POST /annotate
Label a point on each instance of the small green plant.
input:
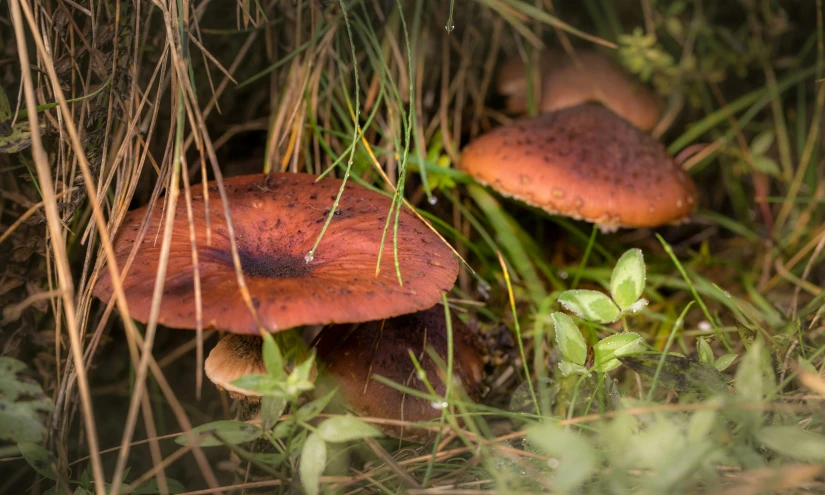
(22, 401)
(627, 283)
(279, 390)
(706, 356)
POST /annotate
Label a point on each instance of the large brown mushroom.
(354, 354)
(587, 76)
(277, 219)
(584, 162)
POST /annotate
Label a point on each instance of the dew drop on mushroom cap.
(590, 77)
(277, 219)
(583, 162)
(352, 354)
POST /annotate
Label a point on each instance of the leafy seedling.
(22, 401)
(277, 383)
(706, 356)
(627, 284)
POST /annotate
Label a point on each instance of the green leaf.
(86, 476)
(22, 402)
(762, 142)
(628, 279)
(679, 373)
(312, 409)
(151, 486)
(725, 361)
(271, 410)
(38, 458)
(230, 432)
(766, 165)
(298, 381)
(590, 305)
(16, 138)
(273, 359)
(284, 428)
(313, 462)
(569, 339)
(793, 442)
(700, 425)
(634, 308)
(567, 368)
(265, 385)
(751, 383)
(609, 349)
(705, 352)
(346, 429)
(579, 460)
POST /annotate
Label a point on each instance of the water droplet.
(449, 26)
(439, 405)
(433, 200)
(563, 275)
(705, 326)
(309, 257)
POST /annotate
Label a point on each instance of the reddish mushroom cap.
(584, 162)
(353, 354)
(277, 220)
(590, 77)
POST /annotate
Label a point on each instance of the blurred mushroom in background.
(587, 76)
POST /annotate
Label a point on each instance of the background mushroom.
(584, 162)
(277, 219)
(353, 354)
(587, 76)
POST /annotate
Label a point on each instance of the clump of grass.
(718, 388)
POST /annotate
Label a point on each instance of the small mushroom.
(352, 355)
(233, 357)
(583, 162)
(589, 77)
(277, 219)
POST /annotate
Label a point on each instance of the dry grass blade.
(56, 235)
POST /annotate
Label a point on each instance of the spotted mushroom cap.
(233, 357)
(584, 162)
(277, 219)
(590, 77)
(353, 354)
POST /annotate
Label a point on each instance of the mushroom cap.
(590, 77)
(233, 357)
(584, 162)
(277, 219)
(353, 354)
